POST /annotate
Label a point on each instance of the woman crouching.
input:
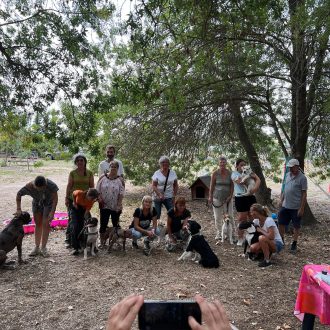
(145, 224)
(270, 240)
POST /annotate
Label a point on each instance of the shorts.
(286, 215)
(279, 246)
(243, 203)
(43, 209)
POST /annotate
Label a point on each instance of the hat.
(293, 162)
(79, 155)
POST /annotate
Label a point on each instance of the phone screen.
(169, 314)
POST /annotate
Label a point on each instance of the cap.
(79, 155)
(293, 162)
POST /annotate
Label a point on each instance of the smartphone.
(168, 314)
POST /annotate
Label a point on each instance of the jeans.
(167, 202)
(77, 224)
(137, 235)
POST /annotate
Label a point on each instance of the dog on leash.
(198, 244)
(11, 237)
(227, 229)
(114, 234)
(251, 237)
(247, 180)
(88, 237)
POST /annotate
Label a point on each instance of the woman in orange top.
(82, 203)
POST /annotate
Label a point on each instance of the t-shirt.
(104, 167)
(269, 222)
(110, 190)
(177, 220)
(80, 182)
(294, 186)
(79, 198)
(239, 189)
(40, 198)
(160, 178)
(145, 220)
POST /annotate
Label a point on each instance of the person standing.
(243, 202)
(104, 166)
(293, 201)
(111, 189)
(221, 194)
(164, 186)
(80, 178)
(44, 201)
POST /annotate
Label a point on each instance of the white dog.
(227, 229)
(247, 180)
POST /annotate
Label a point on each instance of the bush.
(3, 163)
(38, 163)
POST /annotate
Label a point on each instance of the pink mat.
(60, 220)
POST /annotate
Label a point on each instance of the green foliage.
(38, 163)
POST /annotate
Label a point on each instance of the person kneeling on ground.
(270, 240)
(177, 219)
(145, 224)
(83, 201)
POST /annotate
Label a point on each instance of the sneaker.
(75, 252)
(135, 245)
(44, 252)
(264, 263)
(35, 252)
(240, 242)
(293, 248)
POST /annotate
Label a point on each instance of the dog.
(88, 237)
(251, 237)
(11, 237)
(227, 229)
(114, 234)
(197, 243)
(247, 180)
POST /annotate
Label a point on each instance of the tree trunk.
(264, 194)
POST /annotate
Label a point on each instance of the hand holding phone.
(168, 314)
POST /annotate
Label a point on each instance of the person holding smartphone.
(123, 314)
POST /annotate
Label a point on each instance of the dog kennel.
(200, 188)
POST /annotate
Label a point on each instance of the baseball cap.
(293, 162)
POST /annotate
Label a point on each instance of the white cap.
(293, 162)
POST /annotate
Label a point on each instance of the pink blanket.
(313, 294)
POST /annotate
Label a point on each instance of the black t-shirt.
(177, 221)
(144, 220)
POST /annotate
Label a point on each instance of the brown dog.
(116, 233)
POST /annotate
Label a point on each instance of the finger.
(120, 309)
(222, 316)
(207, 316)
(194, 325)
(138, 302)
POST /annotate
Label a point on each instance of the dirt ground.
(66, 292)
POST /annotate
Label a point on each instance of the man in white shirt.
(105, 164)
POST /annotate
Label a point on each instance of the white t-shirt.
(160, 178)
(239, 189)
(105, 167)
(268, 224)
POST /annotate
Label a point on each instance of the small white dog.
(90, 237)
(227, 229)
(248, 181)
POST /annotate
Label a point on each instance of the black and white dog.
(198, 244)
(251, 237)
(88, 237)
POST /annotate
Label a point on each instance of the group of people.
(226, 187)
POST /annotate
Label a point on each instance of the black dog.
(12, 236)
(199, 244)
(251, 237)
